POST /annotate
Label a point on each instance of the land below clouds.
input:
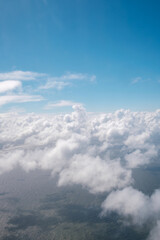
(32, 206)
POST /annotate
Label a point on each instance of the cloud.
(130, 202)
(95, 174)
(20, 75)
(55, 84)
(97, 151)
(19, 99)
(6, 86)
(62, 103)
(12, 81)
(66, 80)
(136, 80)
(155, 232)
(75, 76)
(71, 142)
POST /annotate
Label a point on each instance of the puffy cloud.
(55, 84)
(130, 202)
(96, 151)
(95, 174)
(124, 139)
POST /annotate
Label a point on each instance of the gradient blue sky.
(105, 53)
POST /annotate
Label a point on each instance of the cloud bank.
(96, 151)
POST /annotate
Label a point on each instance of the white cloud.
(66, 80)
(55, 85)
(95, 174)
(77, 140)
(19, 99)
(62, 103)
(96, 151)
(6, 86)
(130, 202)
(11, 81)
(20, 75)
(75, 76)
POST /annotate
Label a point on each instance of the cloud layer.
(96, 151)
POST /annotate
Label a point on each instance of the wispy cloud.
(20, 75)
(55, 84)
(66, 80)
(136, 80)
(75, 76)
(14, 81)
(6, 86)
(19, 99)
(62, 103)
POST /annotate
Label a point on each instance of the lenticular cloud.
(96, 151)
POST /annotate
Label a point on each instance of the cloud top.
(96, 151)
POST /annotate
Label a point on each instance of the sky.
(112, 45)
(80, 58)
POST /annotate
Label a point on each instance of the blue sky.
(103, 53)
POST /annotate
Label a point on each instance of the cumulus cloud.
(136, 207)
(123, 139)
(130, 202)
(96, 151)
(6, 86)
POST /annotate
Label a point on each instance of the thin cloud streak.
(55, 85)
(62, 103)
(21, 75)
(136, 80)
(19, 99)
(67, 80)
